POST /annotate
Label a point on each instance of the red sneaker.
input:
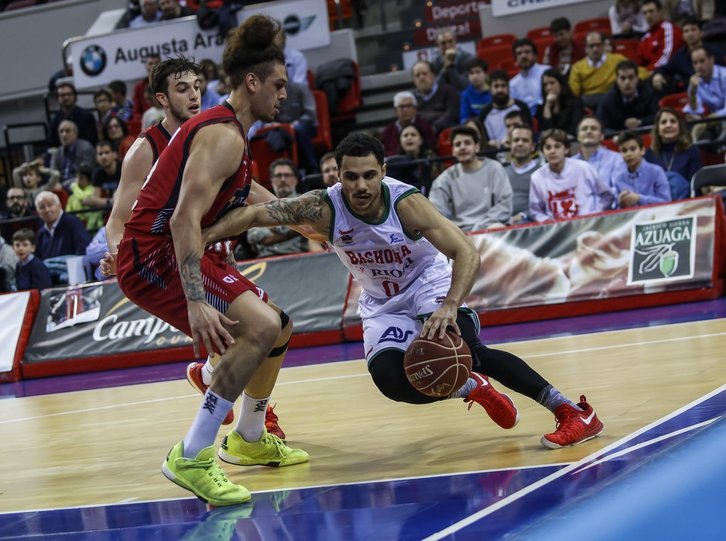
(271, 423)
(573, 425)
(497, 405)
(194, 377)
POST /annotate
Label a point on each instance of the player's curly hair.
(359, 145)
(176, 66)
(252, 47)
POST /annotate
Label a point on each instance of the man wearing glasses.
(594, 75)
(406, 108)
(67, 97)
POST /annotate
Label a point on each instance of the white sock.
(207, 370)
(469, 386)
(251, 420)
(206, 424)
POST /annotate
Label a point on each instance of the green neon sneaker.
(269, 450)
(203, 476)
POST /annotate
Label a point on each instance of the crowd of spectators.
(490, 148)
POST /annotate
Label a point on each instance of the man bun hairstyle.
(252, 47)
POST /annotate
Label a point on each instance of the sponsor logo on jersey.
(396, 238)
(395, 334)
(344, 237)
(380, 257)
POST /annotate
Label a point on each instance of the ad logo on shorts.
(394, 334)
(662, 251)
(230, 279)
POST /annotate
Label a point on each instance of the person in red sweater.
(141, 104)
(663, 38)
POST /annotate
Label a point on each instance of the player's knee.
(266, 328)
(388, 374)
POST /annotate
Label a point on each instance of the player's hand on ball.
(437, 323)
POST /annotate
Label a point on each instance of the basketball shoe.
(573, 425)
(498, 406)
(194, 377)
(271, 424)
(269, 450)
(203, 476)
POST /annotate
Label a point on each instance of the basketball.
(438, 367)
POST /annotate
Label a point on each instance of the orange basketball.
(438, 367)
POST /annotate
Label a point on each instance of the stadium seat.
(264, 155)
(339, 17)
(629, 48)
(444, 142)
(676, 101)
(599, 24)
(542, 44)
(324, 139)
(498, 39)
(539, 33)
(495, 54)
(351, 101)
(708, 175)
(311, 79)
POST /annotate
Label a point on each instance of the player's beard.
(180, 114)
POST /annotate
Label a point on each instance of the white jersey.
(381, 255)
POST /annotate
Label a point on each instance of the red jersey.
(160, 193)
(158, 138)
(659, 44)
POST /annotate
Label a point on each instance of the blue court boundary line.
(471, 519)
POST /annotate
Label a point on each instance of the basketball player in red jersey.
(176, 85)
(162, 266)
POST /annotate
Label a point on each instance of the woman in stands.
(117, 131)
(561, 109)
(672, 149)
(412, 146)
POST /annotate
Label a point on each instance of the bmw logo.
(93, 60)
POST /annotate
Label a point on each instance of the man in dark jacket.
(67, 97)
(630, 102)
(61, 233)
(438, 102)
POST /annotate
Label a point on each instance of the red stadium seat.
(539, 33)
(444, 142)
(311, 79)
(629, 48)
(676, 101)
(599, 24)
(264, 155)
(324, 139)
(495, 54)
(542, 44)
(498, 39)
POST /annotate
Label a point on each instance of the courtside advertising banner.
(642, 251)
(515, 7)
(12, 308)
(96, 319)
(97, 60)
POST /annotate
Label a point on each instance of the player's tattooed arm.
(191, 276)
(308, 209)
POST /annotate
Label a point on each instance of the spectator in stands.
(626, 18)
(565, 51)
(123, 107)
(141, 102)
(451, 64)
(81, 198)
(329, 169)
(706, 95)
(116, 131)
(606, 162)
(630, 102)
(72, 152)
(299, 110)
(477, 94)
(150, 14)
(437, 101)
(479, 127)
(106, 175)
(33, 177)
(643, 183)
(170, 9)
(18, 213)
(210, 69)
(84, 120)
(473, 193)
(30, 272)
(591, 77)
(663, 37)
(565, 188)
(154, 114)
(284, 176)
(492, 115)
(295, 61)
(672, 149)
(412, 146)
(8, 262)
(527, 84)
(561, 108)
(406, 108)
(524, 162)
(103, 101)
(674, 76)
(512, 119)
(209, 97)
(61, 233)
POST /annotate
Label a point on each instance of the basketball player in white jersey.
(395, 243)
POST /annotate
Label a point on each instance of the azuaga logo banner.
(662, 251)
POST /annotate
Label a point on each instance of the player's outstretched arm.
(214, 156)
(418, 215)
(309, 209)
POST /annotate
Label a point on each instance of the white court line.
(335, 378)
(471, 519)
(650, 442)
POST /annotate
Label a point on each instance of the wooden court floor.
(106, 446)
